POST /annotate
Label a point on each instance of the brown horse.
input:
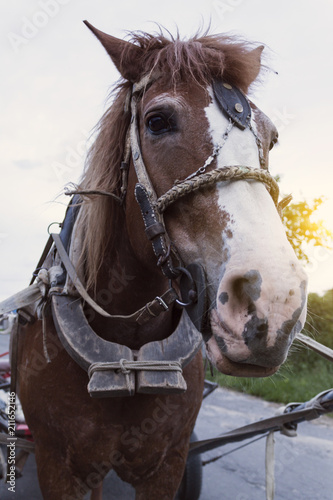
(182, 110)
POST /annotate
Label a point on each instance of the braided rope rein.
(208, 179)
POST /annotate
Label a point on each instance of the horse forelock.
(200, 59)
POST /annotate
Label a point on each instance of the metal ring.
(164, 257)
(182, 270)
(183, 304)
(48, 227)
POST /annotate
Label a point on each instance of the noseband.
(237, 107)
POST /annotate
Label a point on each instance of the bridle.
(236, 105)
(192, 277)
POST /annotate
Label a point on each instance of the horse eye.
(158, 124)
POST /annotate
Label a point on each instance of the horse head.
(194, 123)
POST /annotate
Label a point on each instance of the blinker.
(233, 103)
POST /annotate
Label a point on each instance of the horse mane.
(202, 59)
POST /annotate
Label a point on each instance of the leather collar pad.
(233, 102)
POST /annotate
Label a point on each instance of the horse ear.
(125, 55)
(255, 54)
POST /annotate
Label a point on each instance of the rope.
(124, 366)
(210, 178)
(92, 192)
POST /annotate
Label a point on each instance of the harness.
(111, 367)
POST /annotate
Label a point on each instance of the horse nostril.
(249, 286)
(262, 329)
(251, 308)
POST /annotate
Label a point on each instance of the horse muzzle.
(253, 329)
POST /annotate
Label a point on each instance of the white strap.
(269, 464)
(320, 349)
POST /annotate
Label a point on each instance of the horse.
(175, 203)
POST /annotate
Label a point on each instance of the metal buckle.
(162, 303)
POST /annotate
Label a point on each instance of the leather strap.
(21, 443)
(320, 349)
(46, 250)
(21, 299)
(140, 169)
(251, 430)
(155, 231)
(144, 191)
(156, 306)
(143, 315)
(74, 277)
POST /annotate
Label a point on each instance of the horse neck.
(124, 285)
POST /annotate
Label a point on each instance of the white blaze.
(240, 148)
(256, 239)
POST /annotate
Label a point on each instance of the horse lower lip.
(235, 368)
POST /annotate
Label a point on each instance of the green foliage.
(319, 323)
(288, 385)
(302, 229)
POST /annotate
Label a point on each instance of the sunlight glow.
(325, 214)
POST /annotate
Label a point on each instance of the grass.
(295, 382)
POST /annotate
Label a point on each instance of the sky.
(55, 78)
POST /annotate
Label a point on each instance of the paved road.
(304, 465)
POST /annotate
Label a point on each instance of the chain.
(215, 153)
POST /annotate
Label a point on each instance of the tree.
(302, 229)
(319, 323)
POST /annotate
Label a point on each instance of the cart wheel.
(190, 487)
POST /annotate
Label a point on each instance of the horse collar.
(111, 367)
